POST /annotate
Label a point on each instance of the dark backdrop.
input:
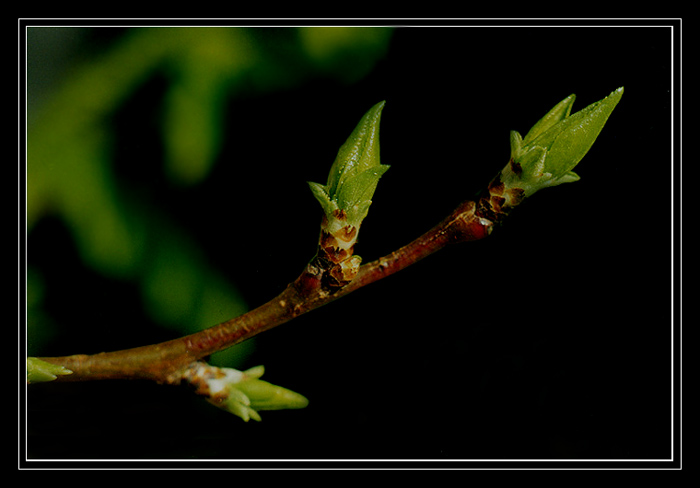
(551, 339)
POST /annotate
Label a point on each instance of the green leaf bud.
(355, 172)
(556, 144)
(39, 371)
(574, 135)
(266, 396)
(243, 393)
(346, 198)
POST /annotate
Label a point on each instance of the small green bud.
(266, 396)
(355, 172)
(39, 371)
(346, 198)
(556, 144)
(243, 393)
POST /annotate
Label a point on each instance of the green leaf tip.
(554, 116)
(355, 173)
(39, 371)
(556, 144)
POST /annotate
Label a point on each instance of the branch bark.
(167, 362)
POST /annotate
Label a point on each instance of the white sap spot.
(231, 376)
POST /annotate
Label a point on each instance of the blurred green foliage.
(71, 144)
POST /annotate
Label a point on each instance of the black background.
(551, 339)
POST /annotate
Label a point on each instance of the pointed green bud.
(346, 198)
(266, 396)
(355, 172)
(547, 155)
(573, 136)
(39, 371)
(243, 393)
(556, 144)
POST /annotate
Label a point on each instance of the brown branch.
(166, 362)
(334, 272)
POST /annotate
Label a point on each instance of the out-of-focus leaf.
(70, 147)
(348, 53)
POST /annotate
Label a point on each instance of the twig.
(166, 362)
(545, 157)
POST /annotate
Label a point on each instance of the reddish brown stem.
(166, 362)
(462, 225)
